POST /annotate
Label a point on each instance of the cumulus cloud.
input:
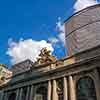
(61, 30)
(53, 40)
(60, 38)
(81, 4)
(30, 49)
(26, 49)
(59, 25)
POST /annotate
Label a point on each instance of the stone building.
(83, 30)
(76, 77)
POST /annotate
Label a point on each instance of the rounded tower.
(82, 30)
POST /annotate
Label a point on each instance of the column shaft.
(65, 89)
(72, 89)
(49, 90)
(17, 94)
(97, 83)
(20, 94)
(31, 93)
(27, 94)
(54, 95)
(5, 96)
(1, 95)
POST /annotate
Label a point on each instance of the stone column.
(5, 96)
(27, 94)
(65, 89)
(1, 95)
(49, 90)
(72, 89)
(54, 95)
(17, 94)
(97, 83)
(20, 94)
(31, 93)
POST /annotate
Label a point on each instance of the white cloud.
(53, 40)
(60, 26)
(30, 49)
(61, 37)
(81, 4)
(61, 31)
(26, 49)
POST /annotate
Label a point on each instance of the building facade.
(66, 79)
(78, 80)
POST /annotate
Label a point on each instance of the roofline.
(22, 62)
(87, 8)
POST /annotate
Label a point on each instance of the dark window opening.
(86, 89)
(12, 96)
(41, 93)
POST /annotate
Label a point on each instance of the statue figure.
(5, 74)
(45, 57)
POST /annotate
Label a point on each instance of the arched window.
(41, 93)
(86, 89)
(12, 96)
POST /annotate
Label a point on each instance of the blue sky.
(35, 19)
(31, 19)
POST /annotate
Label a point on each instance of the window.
(86, 89)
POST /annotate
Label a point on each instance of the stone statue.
(45, 57)
(5, 74)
